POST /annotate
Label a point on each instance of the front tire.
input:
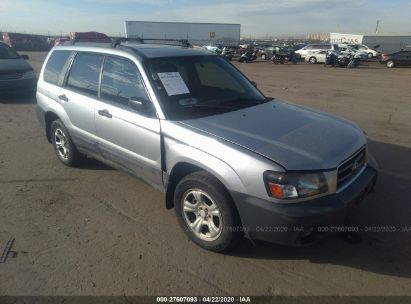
(206, 212)
(390, 64)
(263, 57)
(64, 147)
(313, 60)
(370, 55)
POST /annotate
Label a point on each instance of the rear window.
(85, 73)
(55, 66)
(323, 46)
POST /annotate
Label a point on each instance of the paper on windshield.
(173, 83)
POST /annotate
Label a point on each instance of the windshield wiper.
(211, 106)
(240, 101)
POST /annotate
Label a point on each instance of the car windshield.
(7, 52)
(198, 86)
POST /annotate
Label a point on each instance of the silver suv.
(231, 161)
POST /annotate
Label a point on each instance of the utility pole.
(376, 28)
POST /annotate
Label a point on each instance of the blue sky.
(257, 17)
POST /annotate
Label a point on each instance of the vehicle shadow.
(17, 98)
(385, 252)
(94, 164)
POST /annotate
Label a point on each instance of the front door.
(127, 137)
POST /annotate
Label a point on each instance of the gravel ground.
(98, 231)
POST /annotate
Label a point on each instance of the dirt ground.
(98, 231)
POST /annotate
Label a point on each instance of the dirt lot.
(98, 231)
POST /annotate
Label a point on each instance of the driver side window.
(121, 81)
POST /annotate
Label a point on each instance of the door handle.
(63, 97)
(105, 113)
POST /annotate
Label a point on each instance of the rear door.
(79, 95)
(129, 138)
(400, 58)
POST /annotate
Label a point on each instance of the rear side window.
(121, 81)
(53, 72)
(85, 73)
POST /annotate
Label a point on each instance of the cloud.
(257, 17)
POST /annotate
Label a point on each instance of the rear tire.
(313, 60)
(390, 64)
(263, 57)
(370, 55)
(64, 147)
(206, 212)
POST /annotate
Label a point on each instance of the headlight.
(294, 185)
(29, 74)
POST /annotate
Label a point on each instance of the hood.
(18, 64)
(295, 137)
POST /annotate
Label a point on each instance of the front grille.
(349, 168)
(11, 76)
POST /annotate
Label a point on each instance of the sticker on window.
(173, 83)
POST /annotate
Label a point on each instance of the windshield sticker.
(173, 83)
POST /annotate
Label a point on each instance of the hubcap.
(61, 143)
(202, 215)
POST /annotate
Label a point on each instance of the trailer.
(386, 43)
(26, 42)
(196, 33)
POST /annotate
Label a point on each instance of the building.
(318, 36)
(385, 43)
(195, 33)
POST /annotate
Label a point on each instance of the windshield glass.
(198, 86)
(7, 52)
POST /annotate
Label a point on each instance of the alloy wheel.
(61, 143)
(202, 215)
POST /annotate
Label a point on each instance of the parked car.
(320, 56)
(348, 50)
(16, 75)
(231, 161)
(316, 56)
(371, 53)
(401, 58)
(268, 52)
(316, 47)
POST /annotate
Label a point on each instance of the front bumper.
(301, 223)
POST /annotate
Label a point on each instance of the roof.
(141, 50)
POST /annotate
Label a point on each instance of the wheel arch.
(49, 117)
(224, 174)
(181, 170)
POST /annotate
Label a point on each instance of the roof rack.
(88, 42)
(177, 42)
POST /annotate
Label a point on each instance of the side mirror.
(254, 83)
(138, 104)
(25, 57)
